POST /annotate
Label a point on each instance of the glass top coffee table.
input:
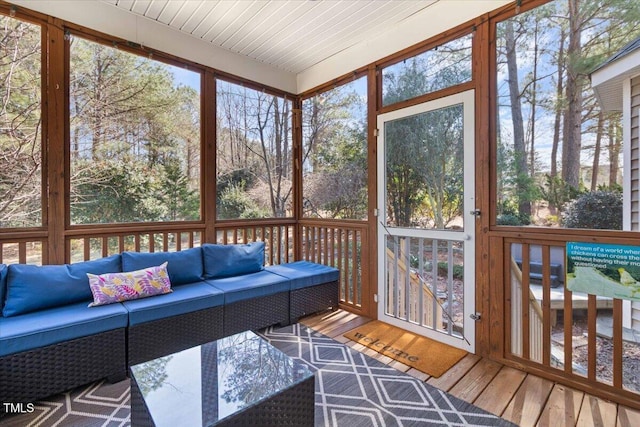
(240, 379)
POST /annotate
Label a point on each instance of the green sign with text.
(604, 269)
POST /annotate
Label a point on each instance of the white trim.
(607, 81)
(468, 235)
(626, 155)
(430, 22)
(626, 181)
(117, 22)
(616, 69)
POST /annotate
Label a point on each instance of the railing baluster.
(450, 287)
(86, 248)
(617, 343)
(22, 252)
(568, 333)
(434, 281)
(526, 276)
(546, 305)
(592, 314)
(136, 242)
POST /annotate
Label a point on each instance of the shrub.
(508, 219)
(596, 209)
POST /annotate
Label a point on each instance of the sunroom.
(466, 166)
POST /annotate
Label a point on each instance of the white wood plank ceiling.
(291, 35)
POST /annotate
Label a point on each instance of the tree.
(520, 161)
(254, 136)
(424, 153)
(552, 49)
(20, 124)
(335, 154)
(134, 138)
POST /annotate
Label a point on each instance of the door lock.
(475, 316)
(475, 212)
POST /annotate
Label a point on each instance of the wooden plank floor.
(521, 398)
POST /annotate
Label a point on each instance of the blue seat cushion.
(183, 266)
(184, 299)
(232, 260)
(55, 325)
(32, 287)
(254, 285)
(3, 284)
(304, 273)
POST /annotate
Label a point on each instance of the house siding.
(635, 178)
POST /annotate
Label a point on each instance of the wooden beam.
(208, 162)
(55, 157)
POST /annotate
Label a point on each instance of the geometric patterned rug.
(96, 404)
(352, 390)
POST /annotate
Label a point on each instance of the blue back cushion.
(183, 266)
(3, 284)
(232, 260)
(31, 287)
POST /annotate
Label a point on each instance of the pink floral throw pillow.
(116, 287)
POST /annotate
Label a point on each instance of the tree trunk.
(596, 153)
(572, 142)
(615, 145)
(558, 116)
(524, 206)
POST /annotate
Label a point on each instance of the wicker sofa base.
(256, 313)
(313, 299)
(34, 374)
(176, 333)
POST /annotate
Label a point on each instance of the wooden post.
(55, 160)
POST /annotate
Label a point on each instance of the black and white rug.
(352, 390)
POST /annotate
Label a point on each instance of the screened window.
(335, 152)
(559, 160)
(439, 68)
(134, 137)
(20, 124)
(254, 153)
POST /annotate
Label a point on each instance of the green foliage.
(509, 219)
(596, 209)
(424, 167)
(234, 203)
(134, 139)
(558, 192)
(335, 139)
(509, 215)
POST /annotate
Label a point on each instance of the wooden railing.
(344, 245)
(93, 245)
(23, 251)
(526, 317)
(554, 332)
(411, 298)
(279, 238)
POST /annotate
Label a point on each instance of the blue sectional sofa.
(51, 340)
